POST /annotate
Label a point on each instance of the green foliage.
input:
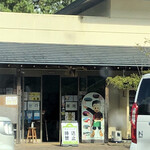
(120, 82)
(3, 8)
(16, 6)
(49, 6)
(24, 6)
(52, 6)
(27, 6)
(145, 71)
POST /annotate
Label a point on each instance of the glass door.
(31, 104)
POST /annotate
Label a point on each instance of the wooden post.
(60, 109)
(106, 113)
(19, 104)
(23, 113)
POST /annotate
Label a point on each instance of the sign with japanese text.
(70, 134)
(11, 100)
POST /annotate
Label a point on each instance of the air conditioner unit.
(116, 136)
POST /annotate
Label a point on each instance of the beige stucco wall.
(124, 112)
(59, 29)
(121, 9)
(118, 115)
(130, 8)
(113, 112)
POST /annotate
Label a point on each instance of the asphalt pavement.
(81, 146)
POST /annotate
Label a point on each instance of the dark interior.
(50, 108)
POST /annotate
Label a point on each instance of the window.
(8, 84)
(32, 103)
(96, 84)
(143, 99)
(69, 86)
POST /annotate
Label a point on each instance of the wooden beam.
(106, 113)
(19, 105)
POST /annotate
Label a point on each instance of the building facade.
(45, 58)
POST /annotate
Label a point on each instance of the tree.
(36, 6)
(16, 6)
(128, 82)
(24, 6)
(52, 6)
(145, 48)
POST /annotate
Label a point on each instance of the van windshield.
(143, 99)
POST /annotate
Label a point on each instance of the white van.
(140, 116)
(6, 134)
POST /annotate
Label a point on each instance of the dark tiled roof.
(78, 6)
(57, 54)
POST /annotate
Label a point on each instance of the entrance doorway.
(50, 107)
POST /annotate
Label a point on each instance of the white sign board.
(70, 134)
(11, 100)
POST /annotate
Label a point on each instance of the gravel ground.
(81, 146)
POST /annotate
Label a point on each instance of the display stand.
(69, 133)
(92, 116)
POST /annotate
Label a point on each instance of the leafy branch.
(120, 82)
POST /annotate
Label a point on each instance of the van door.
(143, 120)
(143, 132)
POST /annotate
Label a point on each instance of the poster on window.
(69, 116)
(71, 106)
(29, 116)
(11, 100)
(26, 96)
(33, 106)
(25, 105)
(35, 96)
(92, 117)
(70, 136)
(36, 115)
(68, 97)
